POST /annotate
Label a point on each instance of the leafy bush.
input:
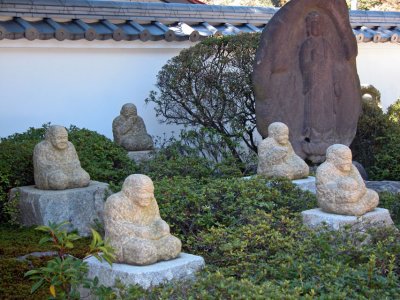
(190, 155)
(376, 143)
(209, 86)
(99, 156)
(393, 112)
(392, 203)
(190, 205)
(372, 127)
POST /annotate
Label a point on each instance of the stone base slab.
(183, 267)
(80, 206)
(139, 156)
(306, 184)
(379, 217)
(384, 186)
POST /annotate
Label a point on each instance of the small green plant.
(65, 274)
(11, 208)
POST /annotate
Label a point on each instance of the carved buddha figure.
(134, 226)
(276, 157)
(56, 163)
(320, 88)
(340, 187)
(129, 130)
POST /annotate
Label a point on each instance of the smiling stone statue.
(130, 131)
(276, 157)
(134, 226)
(56, 163)
(340, 188)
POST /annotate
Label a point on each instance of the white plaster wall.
(379, 65)
(80, 83)
(86, 83)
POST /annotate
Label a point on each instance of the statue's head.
(57, 136)
(129, 109)
(340, 156)
(139, 188)
(279, 132)
(313, 23)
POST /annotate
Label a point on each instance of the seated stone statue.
(129, 130)
(56, 163)
(134, 227)
(276, 157)
(340, 187)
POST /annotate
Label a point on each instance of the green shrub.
(371, 130)
(208, 86)
(191, 205)
(186, 157)
(392, 203)
(376, 143)
(99, 156)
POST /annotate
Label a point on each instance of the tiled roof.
(102, 20)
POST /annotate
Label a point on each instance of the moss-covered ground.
(16, 242)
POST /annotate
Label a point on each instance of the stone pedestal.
(81, 206)
(181, 268)
(139, 156)
(379, 217)
(306, 184)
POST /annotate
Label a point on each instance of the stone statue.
(340, 188)
(276, 157)
(56, 163)
(129, 130)
(134, 226)
(305, 76)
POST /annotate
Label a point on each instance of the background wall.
(86, 83)
(379, 64)
(78, 83)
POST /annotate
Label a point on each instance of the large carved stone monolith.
(305, 76)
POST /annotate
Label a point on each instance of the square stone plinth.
(80, 206)
(183, 267)
(306, 184)
(379, 217)
(141, 156)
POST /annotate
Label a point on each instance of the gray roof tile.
(160, 21)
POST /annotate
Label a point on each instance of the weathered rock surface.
(56, 163)
(276, 157)
(305, 76)
(340, 188)
(80, 206)
(306, 184)
(183, 267)
(141, 156)
(379, 217)
(384, 186)
(129, 130)
(134, 226)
